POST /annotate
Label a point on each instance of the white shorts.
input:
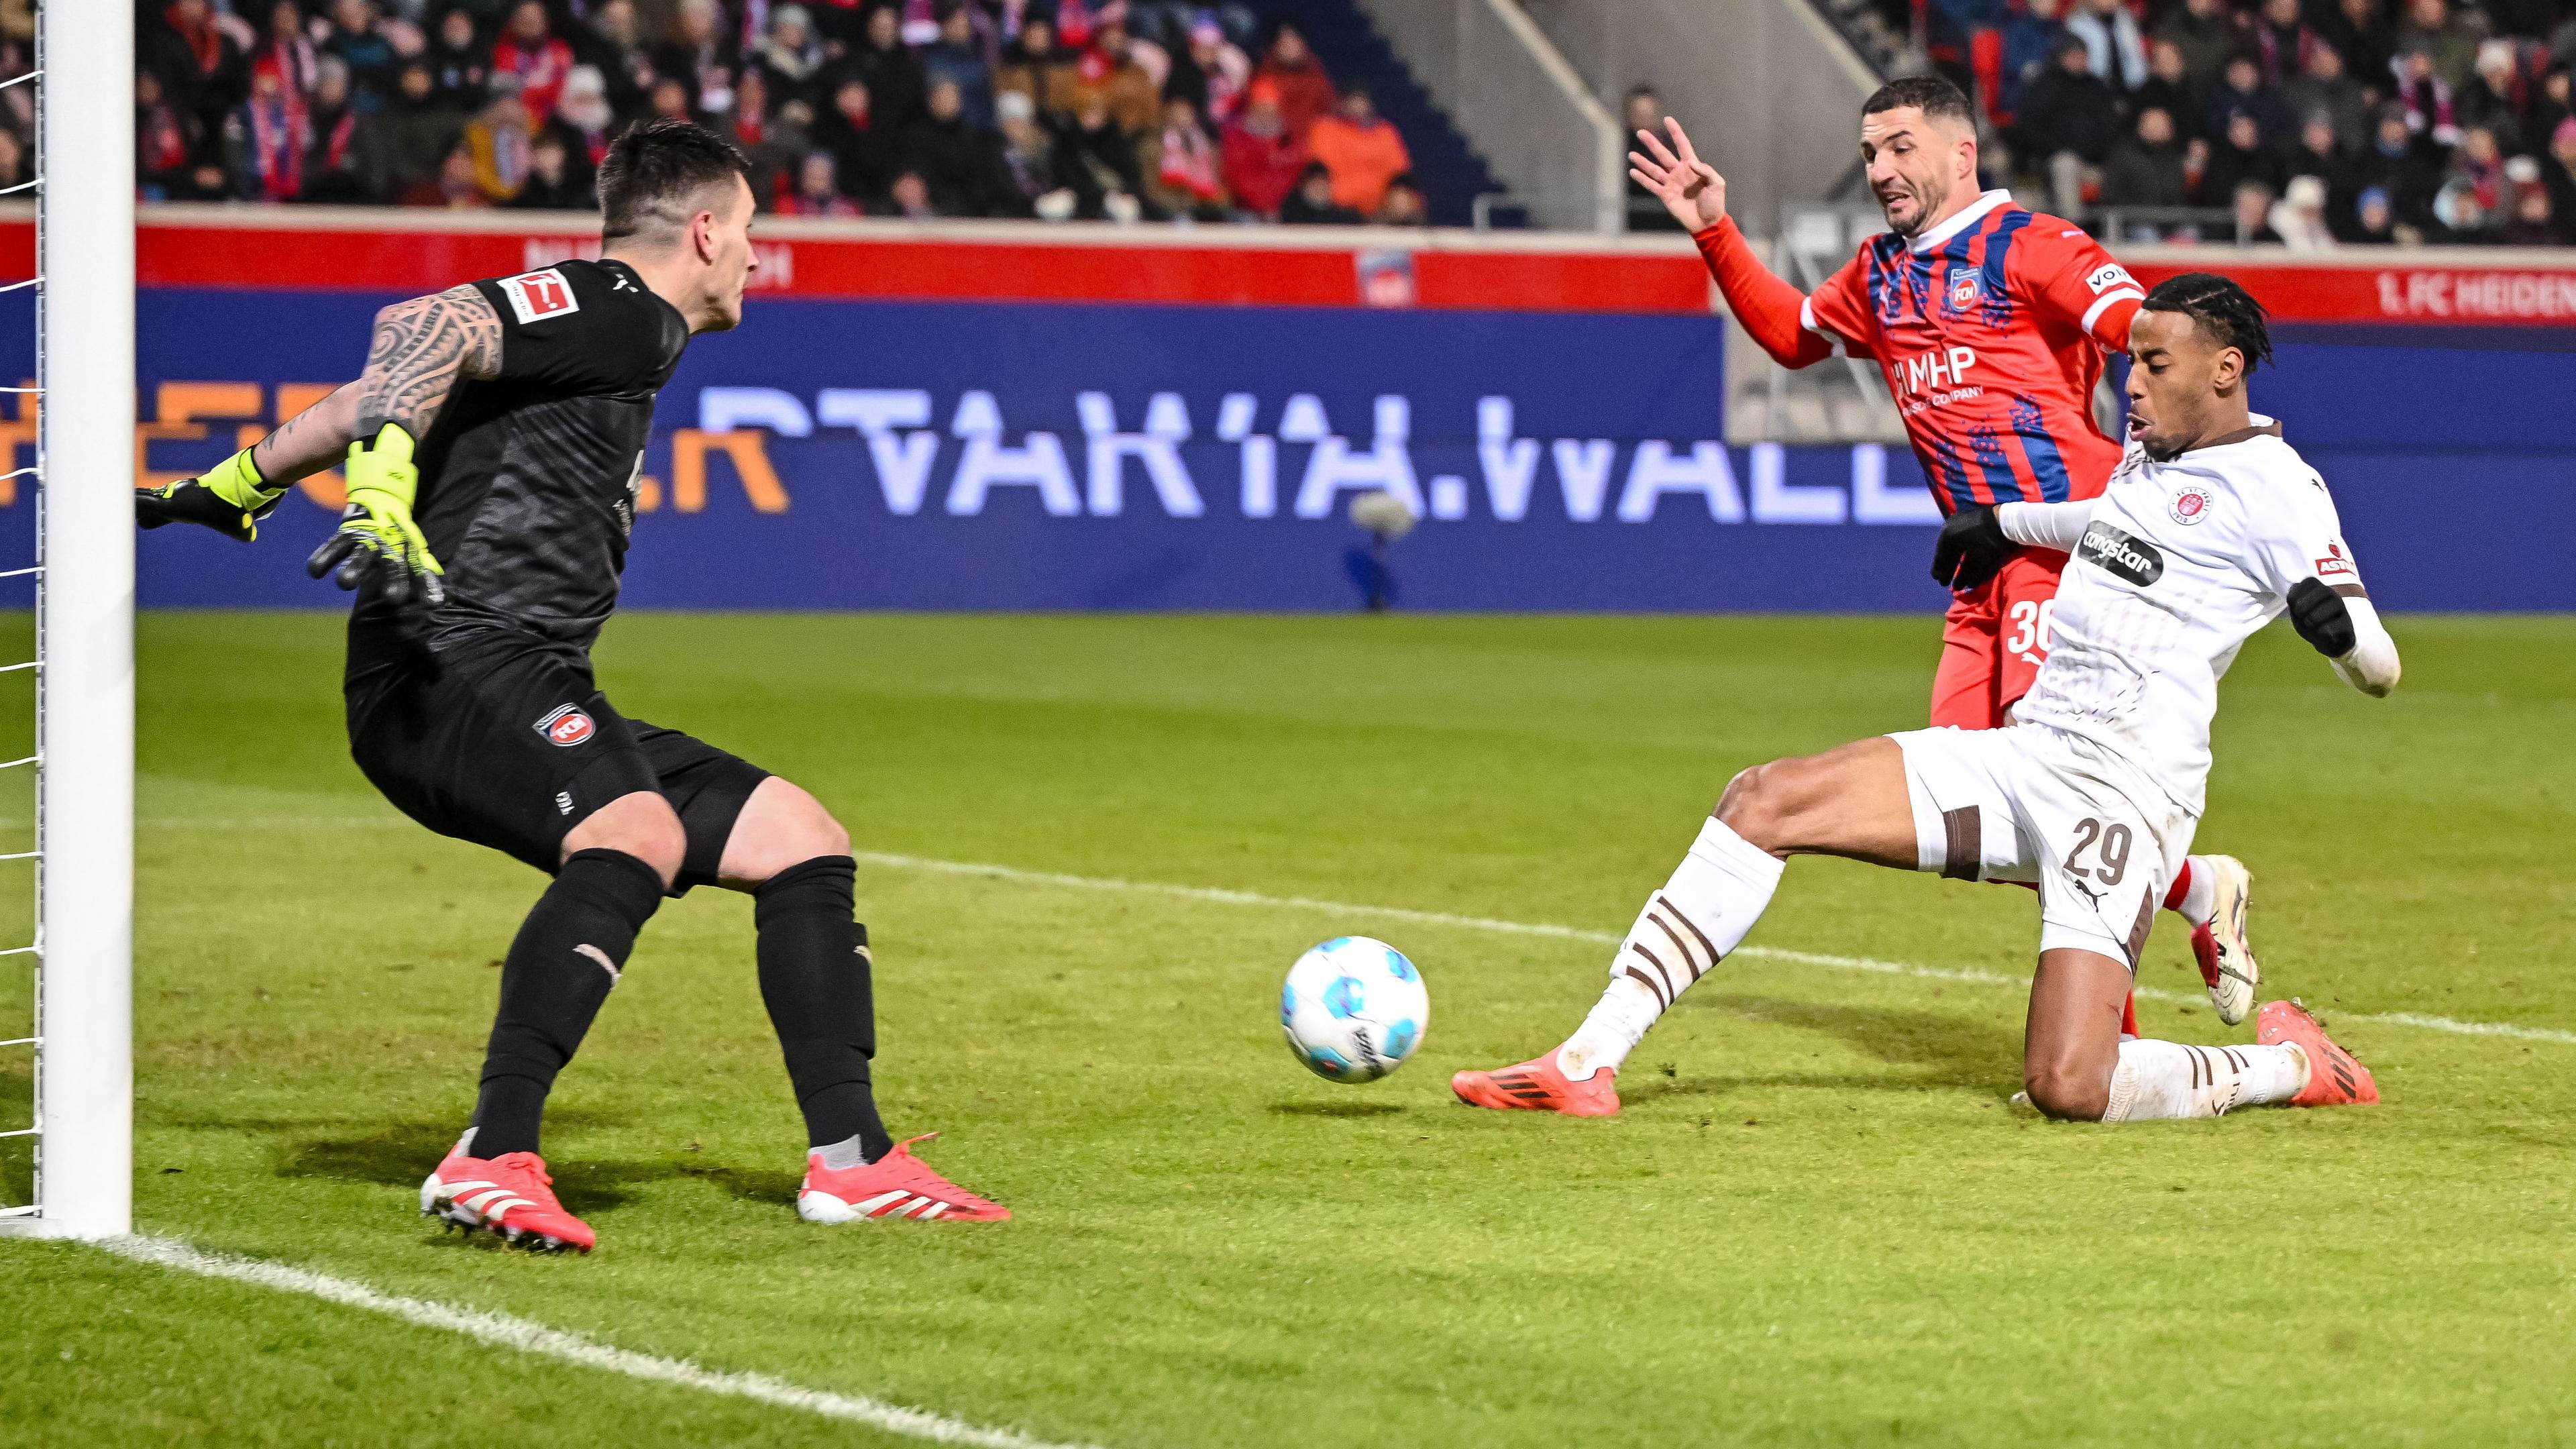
(2032, 804)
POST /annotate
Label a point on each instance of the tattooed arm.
(310, 441)
(420, 350)
(422, 347)
(235, 494)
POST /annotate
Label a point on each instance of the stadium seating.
(1452, 175)
(2448, 121)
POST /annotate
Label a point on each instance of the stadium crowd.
(2310, 123)
(1059, 109)
(2313, 123)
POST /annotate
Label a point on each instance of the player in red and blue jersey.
(1992, 324)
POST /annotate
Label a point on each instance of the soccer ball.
(1353, 1009)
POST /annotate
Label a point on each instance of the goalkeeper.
(493, 448)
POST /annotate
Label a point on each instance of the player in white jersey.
(2211, 527)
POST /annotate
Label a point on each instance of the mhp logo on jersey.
(536, 296)
(566, 724)
(2133, 559)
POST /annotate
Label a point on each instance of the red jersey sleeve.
(1840, 309)
(1768, 307)
(2067, 275)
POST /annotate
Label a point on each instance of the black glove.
(1972, 546)
(2321, 618)
(230, 498)
(379, 544)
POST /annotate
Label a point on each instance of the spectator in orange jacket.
(1262, 159)
(1305, 91)
(1361, 149)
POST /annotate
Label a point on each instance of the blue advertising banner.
(869, 454)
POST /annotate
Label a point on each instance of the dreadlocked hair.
(2220, 308)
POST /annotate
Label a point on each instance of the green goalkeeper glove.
(230, 498)
(378, 544)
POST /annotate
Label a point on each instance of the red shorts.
(1993, 642)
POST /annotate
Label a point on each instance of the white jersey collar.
(2258, 426)
(1925, 241)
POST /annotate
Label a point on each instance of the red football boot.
(510, 1194)
(2334, 1078)
(897, 1185)
(1538, 1085)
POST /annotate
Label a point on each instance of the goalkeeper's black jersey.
(528, 479)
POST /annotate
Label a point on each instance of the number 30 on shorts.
(2110, 846)
(2032, 619)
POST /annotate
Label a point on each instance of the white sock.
(2164, 1080)
(843, 1155)
(2200, 891)
(1716, 894)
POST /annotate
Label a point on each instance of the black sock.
(566, 957)
(814, 980)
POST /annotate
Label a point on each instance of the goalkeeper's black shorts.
(507, 742)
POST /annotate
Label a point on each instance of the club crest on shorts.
(2191, 505)
(566, 724)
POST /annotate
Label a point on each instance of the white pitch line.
(2451, 1025)
(1570, 933)
(527, 1336)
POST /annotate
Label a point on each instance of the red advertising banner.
(325, 249)
(308, 249)
(2448, 286)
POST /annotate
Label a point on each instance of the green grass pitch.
(1819, 1220)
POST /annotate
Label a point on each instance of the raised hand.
(1690, 188)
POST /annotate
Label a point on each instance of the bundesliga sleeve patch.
(536, 296)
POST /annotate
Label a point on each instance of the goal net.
(68, 1167)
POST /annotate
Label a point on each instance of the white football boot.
(2225, 954)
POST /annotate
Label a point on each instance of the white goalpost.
(82, 951)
